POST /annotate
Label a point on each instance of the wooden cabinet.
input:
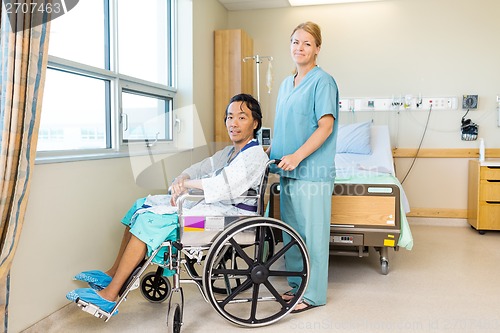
(483, 211)
(232, 75)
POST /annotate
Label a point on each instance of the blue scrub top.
(298, 110)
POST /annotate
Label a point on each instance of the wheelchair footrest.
(94, 310)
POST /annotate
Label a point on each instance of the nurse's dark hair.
(252, 104)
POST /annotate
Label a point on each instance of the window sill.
(64, 157)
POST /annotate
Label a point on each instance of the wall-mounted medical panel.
(400, 103)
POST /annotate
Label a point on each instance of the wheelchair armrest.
(188, 196)
(195, 191)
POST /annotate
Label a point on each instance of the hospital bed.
(369, 205)
(235, 261)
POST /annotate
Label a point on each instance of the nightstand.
(483, 211)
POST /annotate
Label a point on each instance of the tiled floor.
(449, 282)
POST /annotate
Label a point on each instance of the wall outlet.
(439, 103)
(344, 105)
(469, 102)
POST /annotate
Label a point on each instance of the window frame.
(131, 87)
(118, 83)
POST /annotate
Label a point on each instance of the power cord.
(419, 145)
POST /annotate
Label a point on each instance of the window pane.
(73, 112)
(145, 118)
(83, 89)
(143, 34)
(80, 34)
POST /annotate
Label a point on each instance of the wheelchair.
(237, 263)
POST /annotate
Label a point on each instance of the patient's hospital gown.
(154, 220)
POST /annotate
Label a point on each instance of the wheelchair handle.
(275, 161)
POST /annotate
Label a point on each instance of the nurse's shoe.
(91, 296)
(97, 280)
(288, 296)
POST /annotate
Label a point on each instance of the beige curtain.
(24, 43)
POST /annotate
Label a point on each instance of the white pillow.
(354, 138)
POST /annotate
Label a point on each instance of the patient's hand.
(181, 185)
(177, 189)
(176, 192)
(173, 200)
(178, 185)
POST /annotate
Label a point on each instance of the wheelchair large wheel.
(231, 259)
(256, 299)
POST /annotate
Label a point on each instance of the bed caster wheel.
(155, 288)
(174, 318)
(384, 267)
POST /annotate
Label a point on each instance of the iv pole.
(258, 61)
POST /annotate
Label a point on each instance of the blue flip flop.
(97, 280)
(89, 295)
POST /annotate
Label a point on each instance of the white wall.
(437, 48)
(71, 224)
(208, 16)
(72, 220)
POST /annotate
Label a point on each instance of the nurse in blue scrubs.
(305, 134)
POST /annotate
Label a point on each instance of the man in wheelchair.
(223, 177)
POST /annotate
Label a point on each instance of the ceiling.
(265, 4)
(253, 4)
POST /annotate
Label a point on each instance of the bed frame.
(363, 216)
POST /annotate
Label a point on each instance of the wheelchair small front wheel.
(155, 288)
(174, 318)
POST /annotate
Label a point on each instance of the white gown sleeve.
(243, 173)
(209, 165)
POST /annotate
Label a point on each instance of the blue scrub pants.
(306, 207)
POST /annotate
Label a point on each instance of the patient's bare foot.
(107, 295)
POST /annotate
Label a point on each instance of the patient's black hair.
(253, 105)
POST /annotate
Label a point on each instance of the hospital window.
(109, 82)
